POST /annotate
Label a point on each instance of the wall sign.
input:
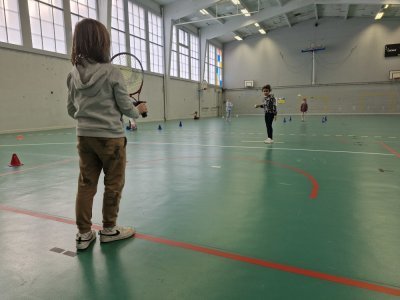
(392, 50)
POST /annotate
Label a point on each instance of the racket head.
(132, 71)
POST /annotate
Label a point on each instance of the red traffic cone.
(15, 162)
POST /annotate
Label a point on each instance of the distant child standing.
(228, 106)
(270, 111)
(97, 99)
(303, 108)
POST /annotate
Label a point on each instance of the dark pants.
(95, 155)
(269, 118)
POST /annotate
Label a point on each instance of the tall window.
(118, 43)
(194, 58)
(185, 54)
(174, 55)
(183, 41)
(218, 68)
(213, 66)
(156, 43)
(10, 27)
(81, 9)
(47, 25)
(137, 33)
(205, 75)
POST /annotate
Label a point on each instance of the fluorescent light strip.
(238, 38)
(262, 31)
(204, 12)
(256, 24)
(379, 15)
(245, 12)
(236, 2)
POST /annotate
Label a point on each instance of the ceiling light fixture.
(236, 2)
(379, 15)
(204, 12)
(256, 24)
(386, 6)
(245, 12)
(262, 31)
(238, 38)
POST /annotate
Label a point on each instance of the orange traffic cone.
(15, 162)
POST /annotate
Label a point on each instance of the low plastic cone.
(180, 124)
(159, 127)
(15, 162)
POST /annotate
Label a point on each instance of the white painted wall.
(33, 93)
(354, 54)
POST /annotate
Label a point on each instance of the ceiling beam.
(242, 21)
(287, 20)
(366, 2)
(316, 11)
(219, 20)
(183, 8)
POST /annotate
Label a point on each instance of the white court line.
(275, 148)
(43, 144)
(220, 146)
(392, 137)
(261, 142)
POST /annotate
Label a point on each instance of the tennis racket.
(132, 71)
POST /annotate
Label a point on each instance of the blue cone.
(290, 118)
(159, 127)
(284, 120)
(180, 123)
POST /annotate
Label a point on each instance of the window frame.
(41, 21)
(7, 27)
(212, 66)
(176, 46)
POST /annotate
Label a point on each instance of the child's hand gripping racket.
(133, 73)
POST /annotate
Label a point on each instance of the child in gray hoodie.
(97, 99)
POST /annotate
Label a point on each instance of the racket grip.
(136, 103)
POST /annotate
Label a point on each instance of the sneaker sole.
(81, 247)
(108, 239)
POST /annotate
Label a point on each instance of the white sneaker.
(268, 141)
(83, 240)
(116, 233)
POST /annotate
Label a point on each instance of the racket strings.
(131, 70)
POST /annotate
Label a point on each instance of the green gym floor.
(219, 214)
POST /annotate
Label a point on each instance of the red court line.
(314, 183)
(391, 150)
(228, 255)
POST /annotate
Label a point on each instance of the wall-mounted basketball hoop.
(249, 84)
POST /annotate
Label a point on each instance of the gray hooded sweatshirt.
(97, 99)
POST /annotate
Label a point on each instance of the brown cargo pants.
(96, 154)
